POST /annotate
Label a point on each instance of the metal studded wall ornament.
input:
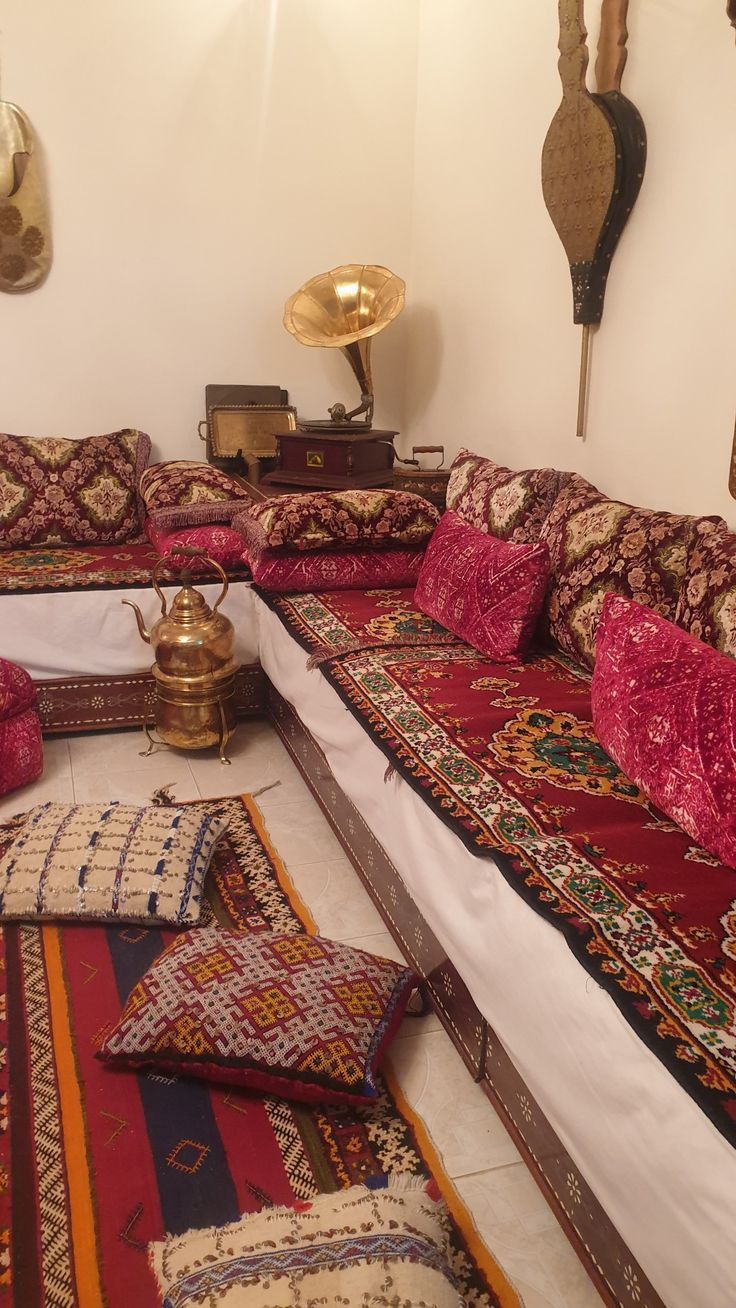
(25, 233)
(593, 163)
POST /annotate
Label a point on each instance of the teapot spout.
(139, 619)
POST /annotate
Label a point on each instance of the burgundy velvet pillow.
(509, 505)
(664, 708)
(486, 591)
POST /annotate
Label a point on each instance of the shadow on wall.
(423, 327)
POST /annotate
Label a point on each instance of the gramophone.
(344, 309)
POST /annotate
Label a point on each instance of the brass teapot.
(194, 669)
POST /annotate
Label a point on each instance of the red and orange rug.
(96, 1163)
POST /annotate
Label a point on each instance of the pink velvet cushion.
(664, 708)
(222, 544)
(486, 591)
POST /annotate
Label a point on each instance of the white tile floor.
(509, 1210)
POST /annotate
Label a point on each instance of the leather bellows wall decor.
(592, 163)
(25, 232)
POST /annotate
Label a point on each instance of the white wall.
(205, 157)
(494, 354)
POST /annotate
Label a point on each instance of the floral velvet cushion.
(510, 505)
(664, 708)
(111, 861)
(599, 545)
(293, 1015)
(360, 1248)
(486, 591)
(221, 543)
(355, 519)
(65, 492)
(707, 604)
(182, 493)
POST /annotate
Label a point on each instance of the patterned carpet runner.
(41, 570)
(506, 756)
(95, 1163)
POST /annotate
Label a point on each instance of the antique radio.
(194, 669)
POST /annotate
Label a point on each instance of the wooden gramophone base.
(327, 459)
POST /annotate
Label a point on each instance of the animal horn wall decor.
(593, 163)
(25, 240)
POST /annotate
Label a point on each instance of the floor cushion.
(220, 542)
(185, 493)
(294, 1015)
(109, 861)
(21, 745)
(383, 1245)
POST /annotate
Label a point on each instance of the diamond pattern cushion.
(222, 544)
(707, 604)
(356, 519)
(58, 491)
(182, 493)
(293, 1015)
(362, 1247)
(284, 571)
(111, 861)
(664, 708)
(599, 545)
(510, 505)
(486, 591)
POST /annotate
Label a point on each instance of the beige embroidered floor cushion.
(356, 1248)
(109, 861)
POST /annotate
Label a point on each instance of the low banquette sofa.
(82, 525)
(578, 945)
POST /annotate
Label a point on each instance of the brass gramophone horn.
(346, 307)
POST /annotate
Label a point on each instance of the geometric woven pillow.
(292, 1015)
(110, 861)
(347, 1248)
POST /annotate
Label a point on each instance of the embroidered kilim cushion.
(510, 505)
(112, 861)
(222, 544)
(323, 520)
(487, 591)
(297, 1016)
(599, 545)
(56, 492)
(182, 493)
(664, 708)
(355, 1248)
(707, 604)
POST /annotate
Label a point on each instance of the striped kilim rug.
(95, 1164)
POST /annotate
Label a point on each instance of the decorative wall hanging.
(593, 163)
(25, 233)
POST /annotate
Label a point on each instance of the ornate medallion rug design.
(39, 570)
(96, 1163)
(506, 756)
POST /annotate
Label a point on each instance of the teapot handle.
(193, 552)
